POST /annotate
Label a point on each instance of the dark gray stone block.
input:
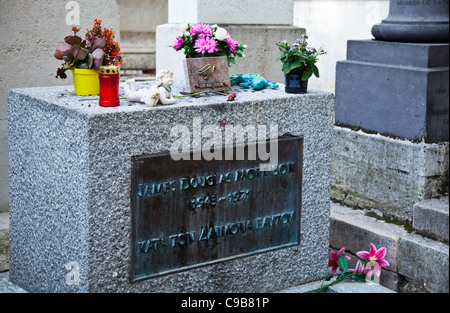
(398, 53)
(396, 89)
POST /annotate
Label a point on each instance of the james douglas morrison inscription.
(191, 213)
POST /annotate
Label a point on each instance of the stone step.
(342, 287)
(8, 287)
(4, 242)
(417, 263)
(430, 217)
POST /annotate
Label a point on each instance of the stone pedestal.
(70, 163)
(414, 21)
(268, 23)
(392, 112)
(395, 89)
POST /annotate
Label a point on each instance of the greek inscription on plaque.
(191, 213)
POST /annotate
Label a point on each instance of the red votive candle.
(109, 86)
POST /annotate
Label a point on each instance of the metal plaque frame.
(191, 213)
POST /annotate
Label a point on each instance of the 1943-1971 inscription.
(190, 213)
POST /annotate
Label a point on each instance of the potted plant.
(209, 51)
(299, 64)
(85, 56)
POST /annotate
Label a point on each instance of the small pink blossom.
(202, 29)
(374, 258)
(224, 122)
(232, 43)
(359, 268)
(205, 44)
(334, 259)
(179, 42)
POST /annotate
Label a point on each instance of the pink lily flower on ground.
(374, 259)
(333, 263)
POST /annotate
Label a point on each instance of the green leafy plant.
(299, 56)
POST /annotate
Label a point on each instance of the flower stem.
(340, 278)
(330, 284)
(200, 92)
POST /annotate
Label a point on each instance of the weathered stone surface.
(4, 250)
(342, 287)
(306, 288)
(139, 49)
(424, 262)
(138, 22)
(391, 175)
(431, 217)
(4, 221)
(233, 12)
(70, 189)
(357, 287)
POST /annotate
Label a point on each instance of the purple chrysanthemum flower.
(202, 29)
(232, 43)
(179, 42)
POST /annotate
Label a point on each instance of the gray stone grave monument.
(392, 111)
(97, 203)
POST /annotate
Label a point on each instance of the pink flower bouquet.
(368, 265)
(203, 40)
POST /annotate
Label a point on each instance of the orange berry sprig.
(112, 48)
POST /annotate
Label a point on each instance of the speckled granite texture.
(70, 181)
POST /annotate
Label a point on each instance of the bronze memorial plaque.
(191, 213)
(207, 74)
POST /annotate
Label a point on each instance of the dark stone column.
(415, 21)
